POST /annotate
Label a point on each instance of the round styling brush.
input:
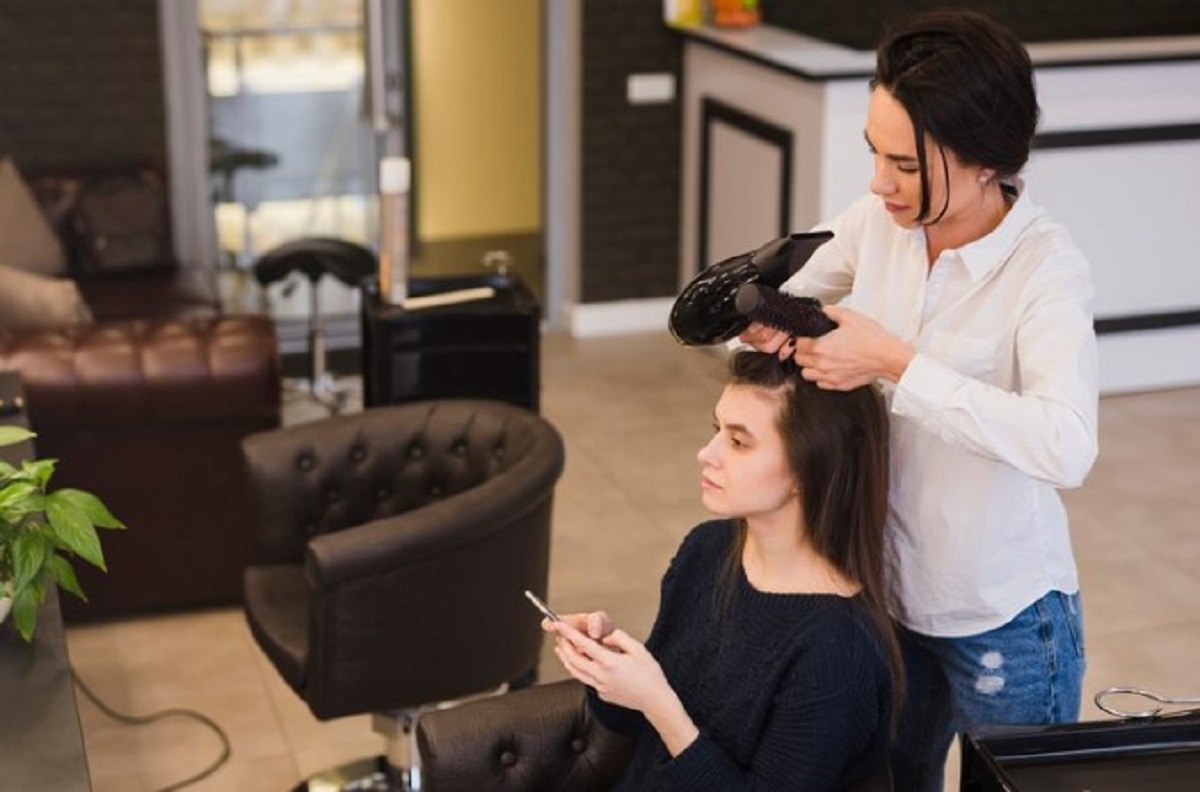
(796, 316)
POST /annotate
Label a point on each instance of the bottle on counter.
(395, 178)
(735, 13)
(684, 13)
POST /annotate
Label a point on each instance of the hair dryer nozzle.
(705, 312)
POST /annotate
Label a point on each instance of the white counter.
(812, 58)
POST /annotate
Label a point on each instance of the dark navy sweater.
(789, 691)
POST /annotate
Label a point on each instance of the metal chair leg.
(322, 387)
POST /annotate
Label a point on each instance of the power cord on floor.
(142, 720)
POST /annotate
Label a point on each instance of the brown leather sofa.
(146, 407)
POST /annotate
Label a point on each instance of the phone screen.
(546, 610)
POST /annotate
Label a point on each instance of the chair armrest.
(542, 737)
(490, 557)
(433, 533)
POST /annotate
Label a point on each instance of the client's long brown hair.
(837, 448)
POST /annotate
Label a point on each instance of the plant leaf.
(89, 504)
(20, 497)
(24, 611)
(64, 575)
(74, 530)
(11, 435)
(39, 471)
(29, 551)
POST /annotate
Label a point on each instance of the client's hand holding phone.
(596, 625)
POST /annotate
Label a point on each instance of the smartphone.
(546, 610)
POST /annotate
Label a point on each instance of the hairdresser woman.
(974, 309)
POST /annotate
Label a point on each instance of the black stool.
(313, 257)
(225, 159)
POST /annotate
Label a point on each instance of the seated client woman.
(771, 664)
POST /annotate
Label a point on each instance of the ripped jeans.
(1026, 672)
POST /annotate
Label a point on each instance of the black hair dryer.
(722, 300)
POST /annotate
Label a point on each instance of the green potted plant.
(40, 530)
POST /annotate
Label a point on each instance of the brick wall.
(860, 23)
(630, 155)
(81, 84)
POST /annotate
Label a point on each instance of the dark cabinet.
(1106, 756)
(479, 349)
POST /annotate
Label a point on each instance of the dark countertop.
(464, 256)
(41, 741)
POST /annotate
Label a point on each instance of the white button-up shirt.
(996, 411)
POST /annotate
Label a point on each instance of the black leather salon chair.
(532, 740)
(313, 258)
(390, 552)
(541, 738)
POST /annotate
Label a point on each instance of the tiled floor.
(633, 411)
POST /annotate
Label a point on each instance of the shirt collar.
(989, 252)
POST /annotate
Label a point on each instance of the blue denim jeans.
(1026, 672)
